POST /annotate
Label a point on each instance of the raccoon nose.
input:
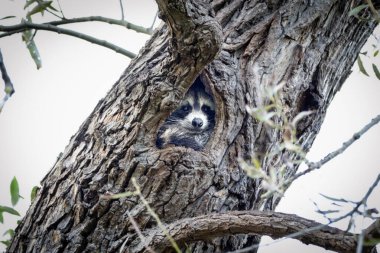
(197, 122)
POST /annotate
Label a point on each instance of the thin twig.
(123, 245)
(48, 27)
(155, 216)
(123, 23)
(52, 13)
(8, 86)
(3, 101)
(60, 9)
(138, 231)
(21, 27)
(4, 74)
(317, 165)
(121, 9)
(154, 21)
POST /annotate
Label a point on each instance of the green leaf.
(372, 242)
(355, 11)
(376, 70)
(28, 3)
(15, 193)
(40, 8)
(6, 243)
(361, 66)
(7, 17)
(10, 210)
(27, 36)
(52, 8)
(9, 90)
(1, 217)
(10, 232)
(251, 170)
(375, 53)
(33, 193)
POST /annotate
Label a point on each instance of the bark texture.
(239, 46)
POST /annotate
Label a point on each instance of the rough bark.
(309, 45)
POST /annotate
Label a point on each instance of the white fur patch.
(200, 115)
(188, 99)
(206, 101)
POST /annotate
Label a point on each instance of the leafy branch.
(273, 224)
(317, 165)
(28, 28)
(123, 23)
(367, 8)
(15, 196)
(272, 113)
(369, 233)
(273, 181)
(26, 25)
(9, 30)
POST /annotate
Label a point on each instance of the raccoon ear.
(205, 83)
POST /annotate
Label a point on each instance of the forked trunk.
(238, 47)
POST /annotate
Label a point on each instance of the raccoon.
(192, 123)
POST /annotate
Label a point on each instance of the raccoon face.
(196, 113)
(191, 124)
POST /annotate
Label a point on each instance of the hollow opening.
(192, 123)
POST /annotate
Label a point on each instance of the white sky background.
(50, 104)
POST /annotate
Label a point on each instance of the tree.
(261, 45)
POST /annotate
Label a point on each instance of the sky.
(51, 103)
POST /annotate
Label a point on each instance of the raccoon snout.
(197, 123)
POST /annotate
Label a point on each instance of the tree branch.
(60, 8)
(154, 21)
(121, 9)
(49, 27)
(317, 165)
(111, 21)
(275, 225)
(20, 27)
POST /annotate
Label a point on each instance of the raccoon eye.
(206, 108)
(186, 108)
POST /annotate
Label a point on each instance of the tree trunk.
(238, 47)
